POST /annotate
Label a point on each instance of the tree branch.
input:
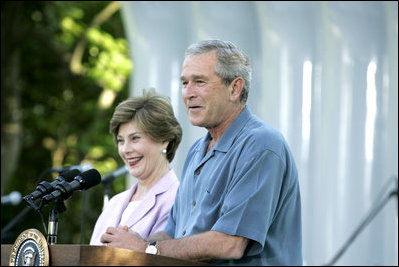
(106, 13)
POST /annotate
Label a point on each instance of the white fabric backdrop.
(324, 74)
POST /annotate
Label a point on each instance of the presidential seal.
(30, 249)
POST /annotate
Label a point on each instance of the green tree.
(64, 67)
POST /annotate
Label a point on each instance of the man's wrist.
(152, 248)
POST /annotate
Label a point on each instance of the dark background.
(53, 114)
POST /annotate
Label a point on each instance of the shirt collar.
(232, 131)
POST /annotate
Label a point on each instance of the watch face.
(151, 250)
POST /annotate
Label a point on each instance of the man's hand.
(121, 237)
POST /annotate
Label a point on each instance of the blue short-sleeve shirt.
(246, 185)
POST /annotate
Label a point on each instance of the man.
(238, 201)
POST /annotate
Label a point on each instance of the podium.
(86, 255)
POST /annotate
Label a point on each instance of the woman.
(147, 134)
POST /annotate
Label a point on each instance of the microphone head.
(69, 175)
(90, 178)
(83, 167)
(14, 198)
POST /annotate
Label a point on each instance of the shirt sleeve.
(171, 223)
(251, 199)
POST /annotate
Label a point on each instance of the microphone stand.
(369, 217)
(109, 178)
(53, 221)
(13, 222)
(107, 186)
(21, 215)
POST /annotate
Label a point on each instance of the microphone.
(14, 198)
(45, 187)
(82, 168)
(115, 174)
(83, 181)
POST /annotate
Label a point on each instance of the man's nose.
(188, 90)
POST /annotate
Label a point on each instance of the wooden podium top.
(86, 255)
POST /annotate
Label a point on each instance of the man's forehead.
(193, 76)
(208, 56)
(201, 64)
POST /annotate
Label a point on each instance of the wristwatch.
(152, 248)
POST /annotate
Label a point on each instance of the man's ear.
(236, 87)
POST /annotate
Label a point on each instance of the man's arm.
(158, 236)
(207, 246)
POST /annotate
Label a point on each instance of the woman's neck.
(145, 185)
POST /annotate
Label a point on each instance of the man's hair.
(153, 114)
(232, 62)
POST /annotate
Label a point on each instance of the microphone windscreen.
(69, 175)
(91, 178)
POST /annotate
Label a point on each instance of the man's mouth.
(194, 108)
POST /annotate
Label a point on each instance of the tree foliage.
(64, 67)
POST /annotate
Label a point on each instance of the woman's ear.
(165, 145)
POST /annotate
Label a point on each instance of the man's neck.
(217, 132)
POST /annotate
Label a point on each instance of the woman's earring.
(164, 151)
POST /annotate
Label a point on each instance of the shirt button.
(197, 171)
(194, 203)
(184, 232)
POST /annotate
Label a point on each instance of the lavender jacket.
(148, 218)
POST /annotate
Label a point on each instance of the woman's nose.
(125, 148)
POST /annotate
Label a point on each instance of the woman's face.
(141, 154)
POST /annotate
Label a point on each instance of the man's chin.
(196, 124)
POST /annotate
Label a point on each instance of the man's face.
(206, 98)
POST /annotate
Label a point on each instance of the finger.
(110, 230)
(105, 238)
(124, 227)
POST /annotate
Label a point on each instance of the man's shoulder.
(258, 136)
(261, 131)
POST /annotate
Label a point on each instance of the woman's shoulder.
(120, 196)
